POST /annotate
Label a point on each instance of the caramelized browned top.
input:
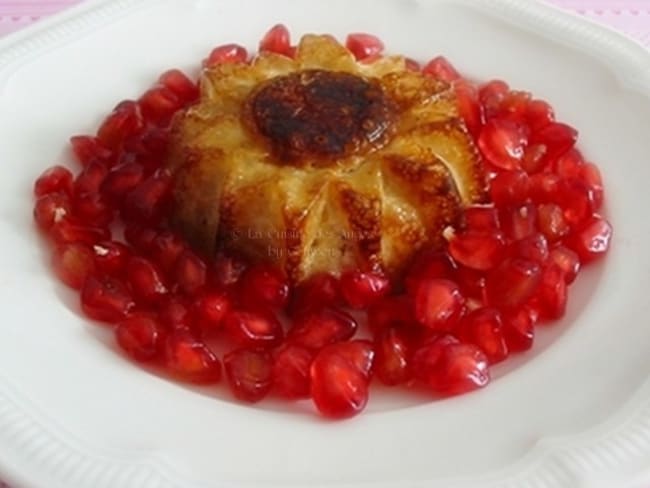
(318, 116)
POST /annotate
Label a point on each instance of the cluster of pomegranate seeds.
(507, 266)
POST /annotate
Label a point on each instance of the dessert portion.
(226, 227)
(320, 163)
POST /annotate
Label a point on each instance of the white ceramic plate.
(574, 412)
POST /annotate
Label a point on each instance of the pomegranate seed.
(519, 222)
(360, 290)
(570, 165)
(50, 210)
(533, 248)
(483, 327)
(67, 231)
(139, 337)
(391, 361)
(429, 265)
(90, 208)
(159, 105)
(568, 261)
(510, 188)
(364, 46)
(471, 282)
(468, 107)
(592, 239)
(175, 314)
(210, 309)
(544, 187)
(491, 94)
(534, 159)
(111, 257)
(478, 250)
(277, 40)
(519, 328)
(56, 179)
(558, 139)
(190, 273)
(439, 304)
(316, 329)
(253, 328)
(576, 200)
(320, 290)
(72, 263)
(179, 83)
(165, 250)
(482, 219)
(512, 283)
(391, 311)
(105, 299)
(266, 285)
(228, 53)
(551, 222)
(126, 120)
(514, 106)
(141, 238)
(145, 203)
(91, 178)
(449, 367)
(145, 280)
(539, 114)
(191, 359)
(590, 176)
(552, 294)
(338, 387)
(88, 149)
(360, 353)
(227, 270)
(249, 374)
(291, 371)
(121, 180)
(502, 143)
(441, 69)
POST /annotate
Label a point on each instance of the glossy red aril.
(145, 203)
(140, 337)
(166, 249)
(519, 328)
(126, 120)
(91, 178)
(88, 149)
(175, 313)
(111, 257)
(551, 222)
(54, 180)
(567, 260)
(534, 159)
(121, 180)
(481, 219)
(316, 329)
(210, 309)
(145, 280)
(592, 179)
(321, 290)
(446, 366)
(391, 360)
(277, 40)
(533, 248)
(227, 270)
(514, 105)
(478, 250)
(441, 69)
(105, 299)
(576, 200)
(468, 106)
(502, 142)
(513, 282)
(291, 371)
(491, 95)
(558, 139)
(180, 84)
(364, 45)
(539, 114)
(51, 209)
(140, 237)
(93, 209)
(439, 304)
(190, 272)
(544, 187)
(552, 295)
(159, 104)
(510, 188)
(484, 328)
(191, 359)
(72, 263)
(570, 165)
(249, 328)
(471, 282)
(429, 265)
(391, 311)
(518, 222)
(264, 285)
(67, 231)
(592, 239)
(362, 289)
(228, 53)
(249, 374)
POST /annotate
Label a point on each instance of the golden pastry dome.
(321, 163)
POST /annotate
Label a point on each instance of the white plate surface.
(574, 412)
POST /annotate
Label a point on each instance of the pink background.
(629, 16)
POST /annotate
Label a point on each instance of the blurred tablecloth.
(629, 16)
